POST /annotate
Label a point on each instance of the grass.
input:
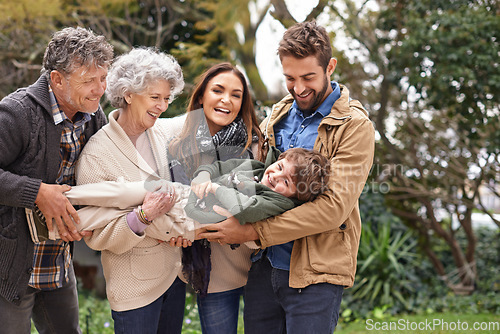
(95, 317)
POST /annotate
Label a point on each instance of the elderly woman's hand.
(180, 242)
(158, 203)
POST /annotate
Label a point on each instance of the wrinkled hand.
(57, 208)
(158, 203)
(180, 242)
(228, 231)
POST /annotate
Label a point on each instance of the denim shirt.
(295, 130)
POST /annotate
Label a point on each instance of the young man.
(296, 284)
(42, 130)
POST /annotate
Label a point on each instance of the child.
(252, 190)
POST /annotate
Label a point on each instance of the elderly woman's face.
(222, 100)
(144, 108)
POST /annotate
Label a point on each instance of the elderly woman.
(142, 284)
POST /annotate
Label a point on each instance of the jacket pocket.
(330, 253)
(148, 263)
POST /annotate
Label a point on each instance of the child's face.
(278, 177)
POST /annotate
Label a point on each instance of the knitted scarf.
(226, 144)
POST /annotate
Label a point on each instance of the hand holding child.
(202, 185)
(158, 203)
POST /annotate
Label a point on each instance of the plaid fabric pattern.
(52, 258)
(50, 265)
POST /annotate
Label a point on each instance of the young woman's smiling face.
(222, 100)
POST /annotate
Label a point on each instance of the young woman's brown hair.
(184, 147)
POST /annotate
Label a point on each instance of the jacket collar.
(123, 143)
(39, 91)
(339, 114)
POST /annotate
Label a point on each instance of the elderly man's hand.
(55, 206)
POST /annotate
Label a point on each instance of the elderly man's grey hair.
(134, 71)
(71, 48)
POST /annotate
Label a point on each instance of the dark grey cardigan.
(29, 155)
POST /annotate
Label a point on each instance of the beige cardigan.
(137, 268)
(126, 196)
(229, 267)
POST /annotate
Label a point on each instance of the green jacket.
(327, 230)
(239, 193)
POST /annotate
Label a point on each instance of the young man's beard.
(315, 102)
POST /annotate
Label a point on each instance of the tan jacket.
(110, 156)
(327, 230)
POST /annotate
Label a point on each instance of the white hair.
(134, 71)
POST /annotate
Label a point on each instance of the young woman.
(220, 124)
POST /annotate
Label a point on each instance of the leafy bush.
(384, 258)
(394, 277)
(386, 278)
(95, 314)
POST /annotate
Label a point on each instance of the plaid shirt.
(52, 258)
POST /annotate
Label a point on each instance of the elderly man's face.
(81, 90)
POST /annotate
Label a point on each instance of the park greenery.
(426, 70)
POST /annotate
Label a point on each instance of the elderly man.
(43, 129)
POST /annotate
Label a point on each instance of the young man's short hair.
(311, 172)
(306, 39)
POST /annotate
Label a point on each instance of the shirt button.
(30, 270)
(291, 145)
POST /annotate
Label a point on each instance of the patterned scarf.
(226, 144)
